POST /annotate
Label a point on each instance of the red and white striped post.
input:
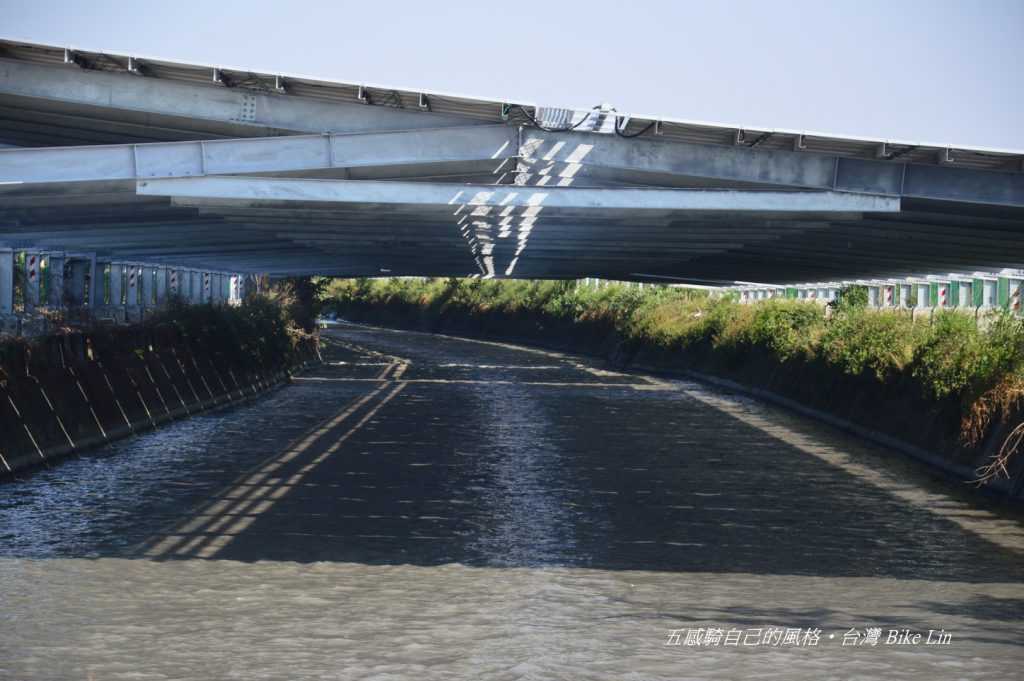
(132, 293)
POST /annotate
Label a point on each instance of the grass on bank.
(949, 355)
(267, 329)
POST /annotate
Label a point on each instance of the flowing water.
(424, 507)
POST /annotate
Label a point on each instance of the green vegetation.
(881, 343)
(256, 334)
(265, 332)
(852, 298)
(948, 360)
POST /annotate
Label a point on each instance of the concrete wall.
(60, 398)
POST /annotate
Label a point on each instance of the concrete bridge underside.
(222, 170)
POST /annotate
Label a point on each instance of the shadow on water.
(983, 607)
(444, 452)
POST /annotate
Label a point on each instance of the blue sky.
(937, 71)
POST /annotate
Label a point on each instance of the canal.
(434, 508)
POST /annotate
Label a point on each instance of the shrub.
(866, 341)
(851, 298)
(947, 359)
(785, 328)
(257, 333)
(1001, 353)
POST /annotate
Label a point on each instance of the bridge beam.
(237, 191)
(257, 155)
(208, 108)
(774, 167)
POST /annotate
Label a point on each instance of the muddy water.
(424, 507)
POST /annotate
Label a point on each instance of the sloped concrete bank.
(894, 415)
(67, 393)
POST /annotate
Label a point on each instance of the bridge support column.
(218, 289)
(162, 280)
(6, 281)
(249, 285)
(117, 271)
(94, 289)
(55, 273)
(147, 288)
(923, 295)
(207, 288)
(177, 284)
(76, 283)
(195, 287)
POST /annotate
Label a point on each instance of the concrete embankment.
(894, 414)
(67, 393)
